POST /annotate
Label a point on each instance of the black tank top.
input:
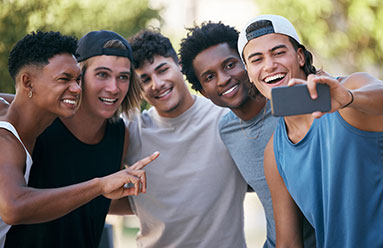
(60, 159)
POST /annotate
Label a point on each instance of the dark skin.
(56, 90)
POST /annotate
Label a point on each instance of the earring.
(30, 94)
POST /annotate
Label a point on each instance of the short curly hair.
(36, 48)
(148, 43)
(200, 38)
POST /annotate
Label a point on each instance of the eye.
(256, 60)
(101, 74)
(230, 65)
(124, 77)
(163, 70)
(64, 79)
(209, 77)
(145, 80)
(281, 52)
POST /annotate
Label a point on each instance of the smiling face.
(55, 87)
(272, 61)
(106, 83)
(222, 76)
(164, 86)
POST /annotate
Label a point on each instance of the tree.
(347, 34)
(71, 17)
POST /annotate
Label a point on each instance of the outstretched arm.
(288, 218)
(20, 204)
(358, 98)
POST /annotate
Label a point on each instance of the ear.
(203, 93)
(26, 81)
(301, 57)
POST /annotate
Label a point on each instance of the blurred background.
(344, 35)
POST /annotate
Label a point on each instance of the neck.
(250, 108)
(30, 121)
(184, 104)
(298, 126)
(86, 128)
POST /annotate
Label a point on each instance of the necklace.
(260, 129)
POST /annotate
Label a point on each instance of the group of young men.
(212, 146)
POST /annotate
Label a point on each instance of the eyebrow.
(108, 69)
(271, 50)
(159, 66)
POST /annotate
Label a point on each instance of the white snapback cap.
(280, 25)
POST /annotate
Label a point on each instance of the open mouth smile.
(230, 90)
(108, 101)
(275, 78)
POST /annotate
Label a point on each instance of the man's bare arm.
(288, 218)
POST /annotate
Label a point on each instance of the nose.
(223, 78)
(269, 64)
(157, 83)
(112, 86)
(75, 88)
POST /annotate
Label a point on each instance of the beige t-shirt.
(195, 192)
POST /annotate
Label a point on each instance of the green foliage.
(71, 17)
(344, 33)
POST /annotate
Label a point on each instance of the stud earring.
(30, 94)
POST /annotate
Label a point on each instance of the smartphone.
(296, 100)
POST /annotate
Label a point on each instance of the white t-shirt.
(4, 228)
(195, 192)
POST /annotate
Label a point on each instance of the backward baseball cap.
(280, 25)
(92, 44)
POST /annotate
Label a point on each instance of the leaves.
(71, 17)
(345, 35)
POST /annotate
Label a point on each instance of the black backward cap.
(92, 43)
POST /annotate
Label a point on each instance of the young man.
(47, 86)
(75, 169)
(328, 169)
(212, 65)
(195, 194)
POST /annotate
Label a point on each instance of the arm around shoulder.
(288, 218)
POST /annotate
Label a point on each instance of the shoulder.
(227, 119)
(205, 106)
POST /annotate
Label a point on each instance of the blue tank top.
(335, 176)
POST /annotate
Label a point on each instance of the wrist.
(351, 101)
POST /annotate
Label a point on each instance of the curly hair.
(148, 43)
(200, 38)
(36, 48)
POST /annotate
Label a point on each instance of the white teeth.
(164, 94)
(230, 90)
(73, 102)
(109, 100)
(277, 76)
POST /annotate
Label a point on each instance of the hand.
(340, 95)
(114, 184)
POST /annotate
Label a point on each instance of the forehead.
(111, 62)
(213, 56)
(158, 61)
(62, 63)
(265, 43)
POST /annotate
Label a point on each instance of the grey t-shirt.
(195, 192)
(246, 142)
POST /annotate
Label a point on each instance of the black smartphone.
(296, 100)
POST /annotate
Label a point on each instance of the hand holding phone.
(296, 100)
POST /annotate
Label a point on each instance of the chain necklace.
(260, 129)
